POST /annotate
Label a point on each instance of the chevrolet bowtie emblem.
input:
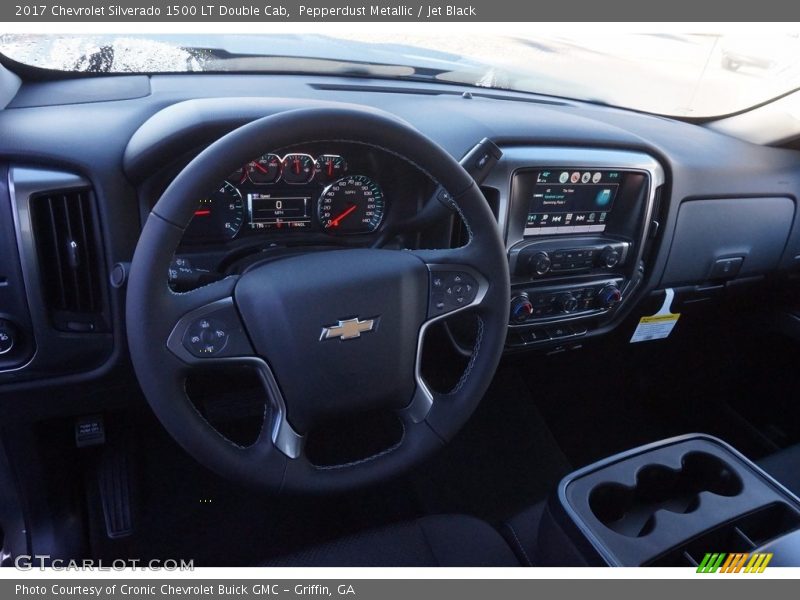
(349, 329)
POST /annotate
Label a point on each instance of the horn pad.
(339, 329)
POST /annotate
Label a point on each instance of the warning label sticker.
(659, 325)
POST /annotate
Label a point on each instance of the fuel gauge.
(298, 168)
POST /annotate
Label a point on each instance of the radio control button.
(609, 296)
(609, 257)
(540, 263)
(567, 303)
(558, 331)
(521, 308)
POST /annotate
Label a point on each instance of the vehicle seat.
(784, 466)
(434, 541)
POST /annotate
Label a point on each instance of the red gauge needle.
(330, 168)
(202, 213)
(297, 166)
(259, 167)
(335, 221)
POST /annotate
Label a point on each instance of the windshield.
(687, 75)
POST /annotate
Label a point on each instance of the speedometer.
(352, 204)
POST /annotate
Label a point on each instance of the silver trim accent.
(555, 244)
(284, 437)
(566, 288)
(524, 157)
(421, 403)
(24, 182)
(531, 157)
(313, 169)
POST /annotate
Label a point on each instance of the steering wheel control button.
(451, 290)
(206, 337)
(7, 336)
(213, 331)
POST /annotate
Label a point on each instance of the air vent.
(67, 242)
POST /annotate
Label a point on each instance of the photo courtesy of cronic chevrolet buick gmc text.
(399, 300)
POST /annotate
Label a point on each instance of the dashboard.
(599, 207)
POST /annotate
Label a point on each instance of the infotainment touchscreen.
(571, 201)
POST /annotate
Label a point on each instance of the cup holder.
(630, 510)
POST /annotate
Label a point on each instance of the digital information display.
(268, 211)
(571, 201)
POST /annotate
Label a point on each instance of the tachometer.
(219, 216)
(353, 204)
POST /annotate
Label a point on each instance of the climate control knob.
(609, 257)
(539, 263)
(567, 303)
(521, 308)
(609, 296)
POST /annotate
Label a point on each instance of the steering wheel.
(330, 333)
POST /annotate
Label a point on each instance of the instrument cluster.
(294, 192)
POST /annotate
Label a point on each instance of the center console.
(671, 503)
(577, 223)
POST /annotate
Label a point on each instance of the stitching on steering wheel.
(473, 357)
(214, 429)
(362, 461)
(193, 290)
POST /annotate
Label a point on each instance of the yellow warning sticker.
(660, 318)
(659, 325)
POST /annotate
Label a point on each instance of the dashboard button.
(206, 337)
(7, 336)
(451, 290)
(559, 331)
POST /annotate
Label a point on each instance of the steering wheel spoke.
(208, 327)
(211, 334)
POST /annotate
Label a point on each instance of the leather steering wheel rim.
(157, 317)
